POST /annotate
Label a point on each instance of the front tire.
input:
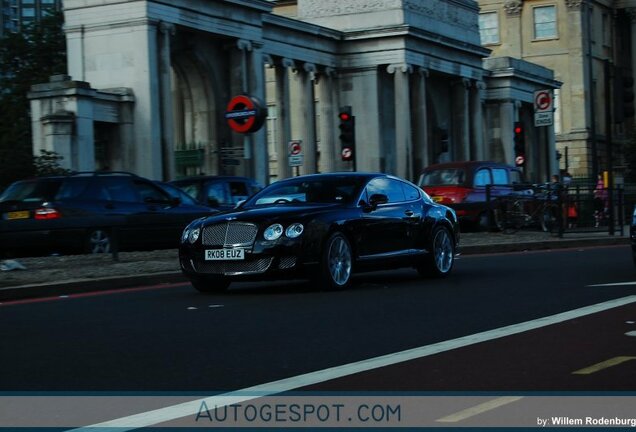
(209, 284)
(336, 264)
(441, 257)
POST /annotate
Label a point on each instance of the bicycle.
(524, 210)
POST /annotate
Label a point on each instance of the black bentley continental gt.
(321, 227)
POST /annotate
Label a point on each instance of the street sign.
(543, 118)
(347, 153)
(295, 153)
(519, 160)
(543, 101)
(245, 114)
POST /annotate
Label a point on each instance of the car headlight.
(273, 232)
(294, 230)
(184, 235)
(193, 236)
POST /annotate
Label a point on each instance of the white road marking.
(191, 408)
(216, 306)
(479, 409)
(192, 308)
(631, 333)
(613, 284)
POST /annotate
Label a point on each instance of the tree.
(26, 58)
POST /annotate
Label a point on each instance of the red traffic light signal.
(344, 116)
(519, 144)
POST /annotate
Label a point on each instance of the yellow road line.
(603, 365)
(479, 409)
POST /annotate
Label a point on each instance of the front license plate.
(18, 215)
(224, 254)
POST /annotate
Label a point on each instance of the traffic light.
(520, 144)
(347, 133)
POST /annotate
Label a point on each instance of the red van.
(462, 186)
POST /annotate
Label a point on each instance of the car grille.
(287, 262)
(230, 234)
(254, 266)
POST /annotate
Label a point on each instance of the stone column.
(283, 119)
(512, 39)
(632, 14)
(464, 146)
(421, 150)
(166, 31)
(245, 46)
(260, 151)
(305, 126)
(310, 148)
(329, 152)
(477, 139)
(508, 115)
(403, 142)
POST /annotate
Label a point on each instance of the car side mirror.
(377, 199)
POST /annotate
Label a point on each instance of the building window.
(489, 28)
(28, 12)
(545, 24)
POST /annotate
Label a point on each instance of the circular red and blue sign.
(245, 114)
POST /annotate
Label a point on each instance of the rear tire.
(441, 257)
(98, 241)
(336, 265)
(209, 284)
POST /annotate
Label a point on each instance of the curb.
(79, 286)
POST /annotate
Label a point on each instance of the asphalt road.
(171, 338)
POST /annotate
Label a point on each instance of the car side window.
(386, 186)
(482, 177)
(500, 176)
(238, 191)
(72, 188)
(119, 189)
(410, 193)
(149, 193)
(216, 193)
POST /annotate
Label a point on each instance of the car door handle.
(409, 213)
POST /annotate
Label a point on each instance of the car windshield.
(442, 177)
(31, 191)
(317, 190)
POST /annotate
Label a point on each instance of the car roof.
(468, 164)
(212, 177)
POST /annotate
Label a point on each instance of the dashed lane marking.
(154, 417)
(479, 409)
(603, 365)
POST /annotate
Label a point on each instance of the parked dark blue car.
(86, 212)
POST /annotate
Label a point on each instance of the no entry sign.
(245, 114)
(542, 100)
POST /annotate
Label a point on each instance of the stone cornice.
(574, 4)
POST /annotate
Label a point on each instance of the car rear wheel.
(337, 263)
(441, 257)
(209, 284)
(98, 241)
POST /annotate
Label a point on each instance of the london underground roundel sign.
(245, 114)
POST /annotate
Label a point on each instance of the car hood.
(273, 213)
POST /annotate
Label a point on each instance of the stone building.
(149, 83)
(575, 39)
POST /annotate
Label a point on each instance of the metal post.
(608, 145)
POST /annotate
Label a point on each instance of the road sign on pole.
(295, 153)
(543, 108)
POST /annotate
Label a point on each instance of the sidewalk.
(63, 275)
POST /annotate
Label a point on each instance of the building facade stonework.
(591, 46)
(413, 73)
